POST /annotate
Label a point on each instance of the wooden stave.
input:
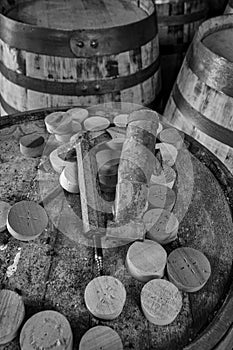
(222, 322)
(182, 110)
(136, 83)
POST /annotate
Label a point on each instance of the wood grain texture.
(105, 297)
(201, 103)
(168, 153)
(229, 8)
(188, 269)
(146, 260)
(46, 329)
(101, 337)
(161, 302)
(12, 315)
(89, 74)
(69, 178)
(26, 220)
(172, 136)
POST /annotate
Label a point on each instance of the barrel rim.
(64, 43)
(213, 334)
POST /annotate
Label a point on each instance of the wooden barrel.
(178, 21)
(56, 53)
(53, 271)
(229, 7)
(201, 102)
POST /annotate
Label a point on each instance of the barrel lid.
(101, 337)
(188, 268)
(105, 297)
(12, 313)
(47, 330)
(26, 220)
(161, 301)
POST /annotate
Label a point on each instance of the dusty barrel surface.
(201, 102)
(77, 52)
(53, 270)
(178, 21)
(229, 7)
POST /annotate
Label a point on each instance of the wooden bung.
(172, 136)
(201, 100)
(161, 225)
(52, 121)
(69, 178)
(26, 220)
(105, 297)
(146, 260)
(4, 210)
(96, 123)
(161, 196)
(161, 301)
(61, 157)
(101, 337)
(46, 330)
(12, 313)
(188, 269)
(32, 145)
(121, 120)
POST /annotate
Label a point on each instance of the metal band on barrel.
(81, 43)
(213, 70)
(207, 126)
(182, 19)
(81, 88)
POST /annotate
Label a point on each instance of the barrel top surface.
(220, 43)
(53, 270)
(73, 15)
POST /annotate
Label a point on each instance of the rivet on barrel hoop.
(80, 44)
(94, 44)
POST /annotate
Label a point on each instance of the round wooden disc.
(168, 153)
(4, 210)
(56, 160)
(188, 268)
(146, 260)
(105, 297)
(32, 145)
(53, 120)
(77, 114)
(12, 314)
(96, 123)
(166, 178)
(69, 178)
(161, 301)
(172, 136)
(161, 196)
(63, 137)
(121, 120)
(26, 220)
(101, 338)
(47, 330)
(161, 225)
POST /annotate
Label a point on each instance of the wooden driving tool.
(134, 173)
(92, 215)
